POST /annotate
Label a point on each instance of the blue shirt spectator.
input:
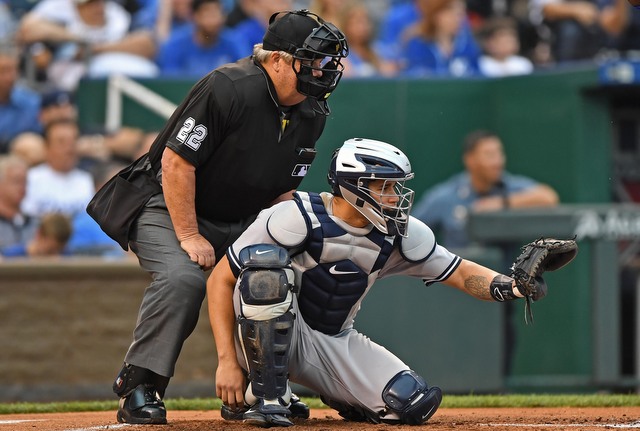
(483, 186)
(398, 18)
(19, 106)
(422, 57)
(162, 16)
(251, 31)
(182, 55)
(440, 43)
(445, 208)
(18, 114)
(88, 239)
(202, 45)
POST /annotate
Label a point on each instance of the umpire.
(242, 139)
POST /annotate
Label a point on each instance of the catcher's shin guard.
(408, 396)
(266, 349)
(266, 322)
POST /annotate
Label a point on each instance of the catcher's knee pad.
(408, 396)
(266, 322)
(265, 282)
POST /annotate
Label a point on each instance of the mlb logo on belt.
(300, 170)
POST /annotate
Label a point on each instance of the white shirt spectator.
(514, 65)
(64, 12)
(53, 191)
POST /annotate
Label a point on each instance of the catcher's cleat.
(234, 414)
(298, 409)
(347, 412)
(267, 414)
(142, 406)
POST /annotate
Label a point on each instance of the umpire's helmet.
(360, 161)
(316, 45)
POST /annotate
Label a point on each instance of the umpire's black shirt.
(230, 127)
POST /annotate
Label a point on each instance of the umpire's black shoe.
(142, 406)
(267, 414)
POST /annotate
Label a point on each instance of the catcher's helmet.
(360, 161)
(316, 45)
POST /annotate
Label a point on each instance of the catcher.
(283, 300)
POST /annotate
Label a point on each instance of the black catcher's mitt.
(541, 255)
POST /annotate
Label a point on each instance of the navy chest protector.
(329, 291)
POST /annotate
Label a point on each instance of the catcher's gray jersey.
(335, 265)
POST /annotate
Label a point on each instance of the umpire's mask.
(317, 48)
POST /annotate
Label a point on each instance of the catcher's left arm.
(525, 280)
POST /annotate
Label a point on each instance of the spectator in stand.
(499, 40)
(197, 48)
(162, 17)
(329, 10)
(252, 29)
(15, 226)
(88, 239)
(87, 37)
(399, 17)
(94, 146)
(19, 8)
(7, 22)
(580, 29)
(57, 105)
(438, 44)
(239, 13)
(58, 185)
(19, 105)
(483, 186)
(30, 147)
(50, 239)
(363, 61)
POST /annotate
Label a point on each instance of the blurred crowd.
(49, 165)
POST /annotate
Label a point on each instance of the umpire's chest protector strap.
(420, 244)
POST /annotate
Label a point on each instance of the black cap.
(55, 97)
(289, 31)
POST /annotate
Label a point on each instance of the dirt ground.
(494, 419)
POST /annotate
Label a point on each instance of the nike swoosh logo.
(427, 413)
(334, 271)
(263, 251)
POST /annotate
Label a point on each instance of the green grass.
(449, 401)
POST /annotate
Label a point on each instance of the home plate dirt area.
(486, 419)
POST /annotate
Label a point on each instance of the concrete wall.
(66, 326)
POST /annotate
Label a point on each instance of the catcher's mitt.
(537, 257)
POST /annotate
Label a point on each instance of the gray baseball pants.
(171, 303)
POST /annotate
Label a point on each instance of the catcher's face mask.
(370, 175)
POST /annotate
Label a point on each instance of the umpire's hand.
(199, 250)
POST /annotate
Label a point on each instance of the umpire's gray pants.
(171, 303)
